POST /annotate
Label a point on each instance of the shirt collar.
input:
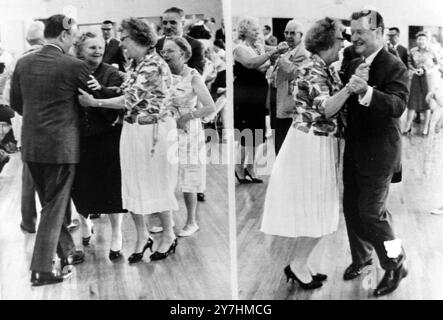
(371, 57)
(56, 46)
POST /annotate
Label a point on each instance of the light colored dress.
(191, 144)
(302, 198)
(148, 152)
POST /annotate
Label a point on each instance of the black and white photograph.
(337, 111)
(113, 184)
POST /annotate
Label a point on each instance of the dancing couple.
(302, 200)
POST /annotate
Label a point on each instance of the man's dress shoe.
(76, 258)
(44, 278)
(390, 281)
(354, 270)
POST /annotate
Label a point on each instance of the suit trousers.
(53, 183)
(28, 206)
(368, 221)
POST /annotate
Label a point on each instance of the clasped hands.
(358, 83)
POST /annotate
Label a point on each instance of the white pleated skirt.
(149, 179)
(302, 199)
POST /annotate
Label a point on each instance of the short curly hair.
(421, 34)
(184, 46)
(321, 36)
(244, 25)
(140, 31)
(79, 44)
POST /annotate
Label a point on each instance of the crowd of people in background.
(113, 126)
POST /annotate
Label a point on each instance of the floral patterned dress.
(148, 144)
(302, 198)
(191, 143)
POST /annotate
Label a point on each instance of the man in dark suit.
(393, 37)
(44, 90)
(173, 20)
(220, 33)
(373, 150)
(113, 50)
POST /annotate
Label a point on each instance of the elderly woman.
(250, 88)
(148, 143)
(302, 199)
(423, 65)
(97, 183)
(192, 100)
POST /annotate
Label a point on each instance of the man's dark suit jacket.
(44, 89)
(197, 60)
(403, 54)
(373, 138)
(114, 54)
(220, 34)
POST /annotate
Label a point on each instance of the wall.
(400, 13)
(15, 14)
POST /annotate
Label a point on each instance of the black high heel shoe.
(254, 180)
(407, 132)
(163, 255)
(86, 240)
(314, 284)
(244, 180)
(138, 256)
(114, 255)
(319, 277)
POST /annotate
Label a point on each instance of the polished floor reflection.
(198, 270)
(262, 257)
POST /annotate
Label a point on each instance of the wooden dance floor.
(200, 268)
(261, 258)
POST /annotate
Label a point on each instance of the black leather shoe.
(314, 284)
(254, 180)
(200, 196)
(114, 255)
(390, 281)
(138, 256)
(163, 255)
(76, 258)
(44, 278)
(319, 277)
(354, 270)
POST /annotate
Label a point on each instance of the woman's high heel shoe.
(114, 255)
(138, 256)
(244, 180)
(163, 255)
(407, 132)
(314, 284)
(254, 180)
(319, 277)
(86, 240)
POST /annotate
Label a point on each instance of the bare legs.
(410, 118)
(300, 264)
(142, 232)
(116, 225)
(191, 223)
(168, 235)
